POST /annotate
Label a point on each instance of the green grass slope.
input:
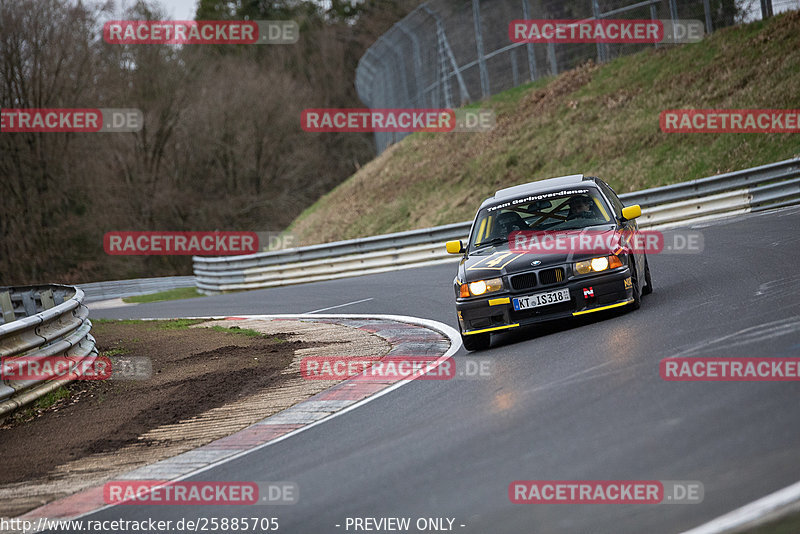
(601, 120)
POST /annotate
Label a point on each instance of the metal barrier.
(755, 189)
(130, 288)
(40, 322)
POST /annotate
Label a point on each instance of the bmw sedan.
(551, 249)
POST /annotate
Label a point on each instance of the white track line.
(750, 512)
(339, 306)
(450, 332)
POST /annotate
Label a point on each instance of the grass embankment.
(170, 294)
(601, 120)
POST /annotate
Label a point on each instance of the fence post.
(673, 15)
(551, 54)
(601, 56)
(447, 53)
(476, 18)
(419, 84)
(766, 9)
(514, 71)
(654, 16)
(707, 9)
(532, 69)
(403, 79)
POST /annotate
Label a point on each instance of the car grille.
(523, 281)
(551, 276)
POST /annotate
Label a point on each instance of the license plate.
(541, 299)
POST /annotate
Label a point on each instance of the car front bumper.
(495, 312)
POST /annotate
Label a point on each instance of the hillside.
(601, 120)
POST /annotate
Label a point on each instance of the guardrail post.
(28, 303)
(7, 307)
(47, 299)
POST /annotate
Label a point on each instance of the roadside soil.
(206, 383)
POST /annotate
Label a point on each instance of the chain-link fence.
(447, 53)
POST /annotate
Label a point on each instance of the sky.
(180, 9)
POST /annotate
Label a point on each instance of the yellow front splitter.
(504, 327)
(601, 308)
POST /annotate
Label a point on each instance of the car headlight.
(595, 265)
(479, 287)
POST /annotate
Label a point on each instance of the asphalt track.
(577, 401)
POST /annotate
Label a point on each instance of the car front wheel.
(648, 282)
(475, 342)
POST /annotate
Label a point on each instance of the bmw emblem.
(534, 263)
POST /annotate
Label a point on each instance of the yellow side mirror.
(631, 212)
(454, 247)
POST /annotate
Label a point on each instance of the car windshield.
(563, 210)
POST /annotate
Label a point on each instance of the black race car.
(547, 250)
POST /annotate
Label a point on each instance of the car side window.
(612, 196)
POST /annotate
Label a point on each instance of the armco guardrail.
(39, 322)
(755, 189)
(130, 288)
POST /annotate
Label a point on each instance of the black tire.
(648, 282)
(476, 341)
(637, 297)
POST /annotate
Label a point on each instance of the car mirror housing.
(631, 212)
(454, 247)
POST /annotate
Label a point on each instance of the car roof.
(539, 186)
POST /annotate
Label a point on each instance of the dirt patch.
(193, 371)
(206, 384)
